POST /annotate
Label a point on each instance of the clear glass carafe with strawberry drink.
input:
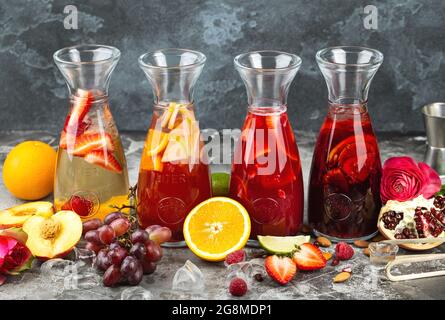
(91, 172)
(344, 188)
(173, 175)
(266, 171)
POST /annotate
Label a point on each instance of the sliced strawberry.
(81, 105)
(92, 141)
(83, 207)
(104, 159)
(309, 257)
(280, 269)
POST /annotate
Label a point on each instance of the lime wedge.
(220, 183)
(282, 245)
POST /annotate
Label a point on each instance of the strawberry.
(92, 141)
(81, 105)
(83, 207)
(280, 269)
(104, 159)
(309, 257)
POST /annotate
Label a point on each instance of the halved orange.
(217, 227)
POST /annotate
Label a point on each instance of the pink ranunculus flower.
(403, 179)
(15, 257)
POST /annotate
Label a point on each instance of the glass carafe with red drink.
(91, 173)
(266, 171)
(174, 175)
(344, 197)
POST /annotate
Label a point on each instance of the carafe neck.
(87, 68)
(348, 72)
(267, 76)
(172, 74)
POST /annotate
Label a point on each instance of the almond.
(324, 242)
(327, 255)
(341, 277)
(361, 243)
(366, 252)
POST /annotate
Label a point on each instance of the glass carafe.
(266, 171)
(173, 176)
(344, 198)
(91, 171)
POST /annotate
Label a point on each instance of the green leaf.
(441, 192)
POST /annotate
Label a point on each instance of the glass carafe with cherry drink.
(344, 198)
(173, 176)
(91, 172)
(266, 172)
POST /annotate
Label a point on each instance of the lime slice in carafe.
(282, 245)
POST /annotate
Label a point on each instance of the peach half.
(54, 236)
(17, 216)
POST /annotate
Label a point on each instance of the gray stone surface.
(367, 282)
(33, 94)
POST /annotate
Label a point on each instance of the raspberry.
(235, 257)
(343, 251)
(238, 287)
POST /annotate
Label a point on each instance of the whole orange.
(28, 171)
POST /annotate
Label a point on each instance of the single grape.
(152, 228)
(117, 255)
(113, 216)
(161, 235)
(93, 247)
(93, 237)
(148, 266)
(102, 260)
(120, 226)
(138, 250)
(92, 224)
(114, 245)
(135, 277)
(112, 276)
(106, 234)
(128, 266)
(139, 235)
(153, 251)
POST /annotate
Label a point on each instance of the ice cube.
(76, 281)
(57, 269)
(136, 293)
(246, 270)
(84, 259)
(188, 278)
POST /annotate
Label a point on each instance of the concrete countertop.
(367, 281)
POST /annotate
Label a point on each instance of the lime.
(220, 183)
(282, 245)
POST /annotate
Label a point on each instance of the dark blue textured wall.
(410, 34)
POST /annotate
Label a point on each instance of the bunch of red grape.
(124, 254)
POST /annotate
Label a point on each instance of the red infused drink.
(266, 171)
(268, 180)
(344, 198)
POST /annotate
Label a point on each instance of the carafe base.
(350, 240)
(174, 244)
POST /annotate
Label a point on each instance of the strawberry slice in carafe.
(266, 170)
(91, 175)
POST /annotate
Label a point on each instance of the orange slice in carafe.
(156, 142)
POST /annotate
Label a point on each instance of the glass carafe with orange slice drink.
(266, 171)
(91, 172)
(344, 188)
(173, 176)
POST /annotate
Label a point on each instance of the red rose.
(403, 179)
